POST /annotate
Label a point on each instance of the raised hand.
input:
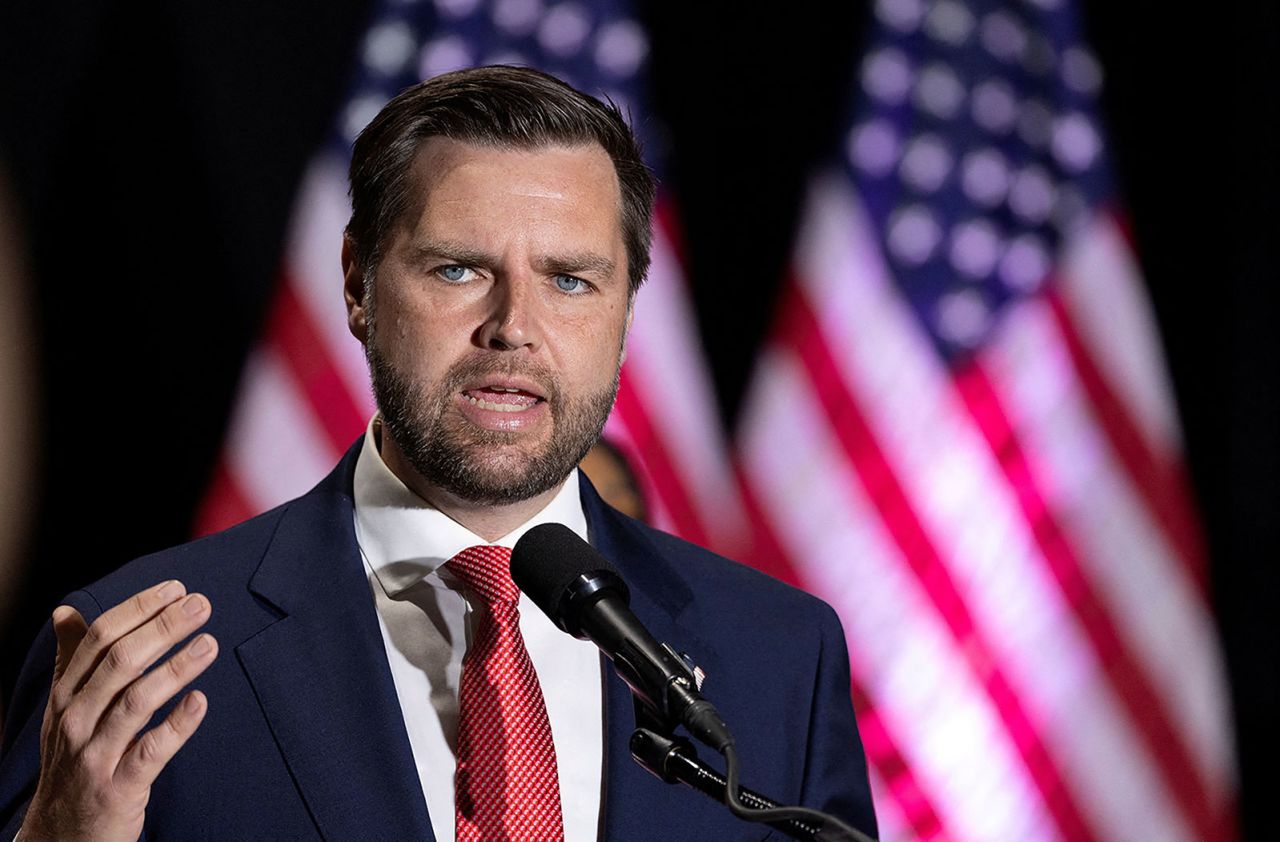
(97, 763)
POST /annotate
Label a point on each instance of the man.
(500, 229)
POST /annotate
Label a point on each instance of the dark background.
(154, 148)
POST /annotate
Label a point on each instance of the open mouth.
(502, 398)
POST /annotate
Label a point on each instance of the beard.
(485, 467)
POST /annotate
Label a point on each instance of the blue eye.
(568, 283)
(454, 274)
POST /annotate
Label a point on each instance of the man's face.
(499, 313)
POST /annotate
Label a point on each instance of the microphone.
(584, 595)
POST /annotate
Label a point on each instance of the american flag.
(961, 435)
(305, 393)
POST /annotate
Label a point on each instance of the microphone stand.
(673, 759)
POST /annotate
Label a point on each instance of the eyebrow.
(577, 264)
(574, 263)
(453, 251)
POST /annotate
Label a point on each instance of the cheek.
(417, 326)
(413, 348)
(596, 351)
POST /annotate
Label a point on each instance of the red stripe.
(766, 552)
(1128, 678)
(912, 801)
(224, 504)
(658, 466)
(799, 328)
(877, 740)
(1162, 483)
(305, 354)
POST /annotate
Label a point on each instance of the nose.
(512, 321)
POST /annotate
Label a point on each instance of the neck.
(490, 522)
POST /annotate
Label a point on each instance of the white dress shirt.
(426, 623)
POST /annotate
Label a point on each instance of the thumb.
(70, 628)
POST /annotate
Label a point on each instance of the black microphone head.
(562, 573)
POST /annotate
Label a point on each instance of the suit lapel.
(321, 676)
(638, 806)
(320, 673)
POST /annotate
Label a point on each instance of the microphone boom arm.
(675, 760)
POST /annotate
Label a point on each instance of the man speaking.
(357, 663)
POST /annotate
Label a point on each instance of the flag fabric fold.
(961, 435)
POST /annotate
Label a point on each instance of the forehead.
(451, 176)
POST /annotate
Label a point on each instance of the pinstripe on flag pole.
(961, 435)
(305, 395)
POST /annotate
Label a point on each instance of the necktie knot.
(486, 570)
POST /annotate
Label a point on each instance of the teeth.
(496, 407)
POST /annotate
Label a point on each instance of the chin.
(497, 475)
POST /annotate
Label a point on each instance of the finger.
(70, 629)
(134, 707)
(130, 656)
(149, 754)
(113, 624)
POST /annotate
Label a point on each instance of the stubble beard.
(485, 467)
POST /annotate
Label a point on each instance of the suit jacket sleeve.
(835, 778)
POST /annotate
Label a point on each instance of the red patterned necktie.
(506, 786)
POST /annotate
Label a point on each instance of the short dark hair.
(502, 107)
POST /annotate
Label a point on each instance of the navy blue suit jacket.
(304, 738)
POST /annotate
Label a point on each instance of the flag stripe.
(619, 435)
(945, 725)
(1133, 566)
(802, 331)
(657, 463)
(921, 821)
(1103, 289)
(1147, 711)
(313, 262)
(224, 503)
(278, 448)
(258, 468)
(878, 742)
(767, 553)
(678, 400)
(304, 350)
(1162, 484)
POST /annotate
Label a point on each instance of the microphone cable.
(844, 832)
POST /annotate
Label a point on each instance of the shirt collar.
(405, 539)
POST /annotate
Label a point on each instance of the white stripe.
(1138, 574)
(945, 726)
(665, 364)
(314, 258)
(276, 451)
(962, 499)
(1103, 290)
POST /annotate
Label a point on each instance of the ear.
(353, 291)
